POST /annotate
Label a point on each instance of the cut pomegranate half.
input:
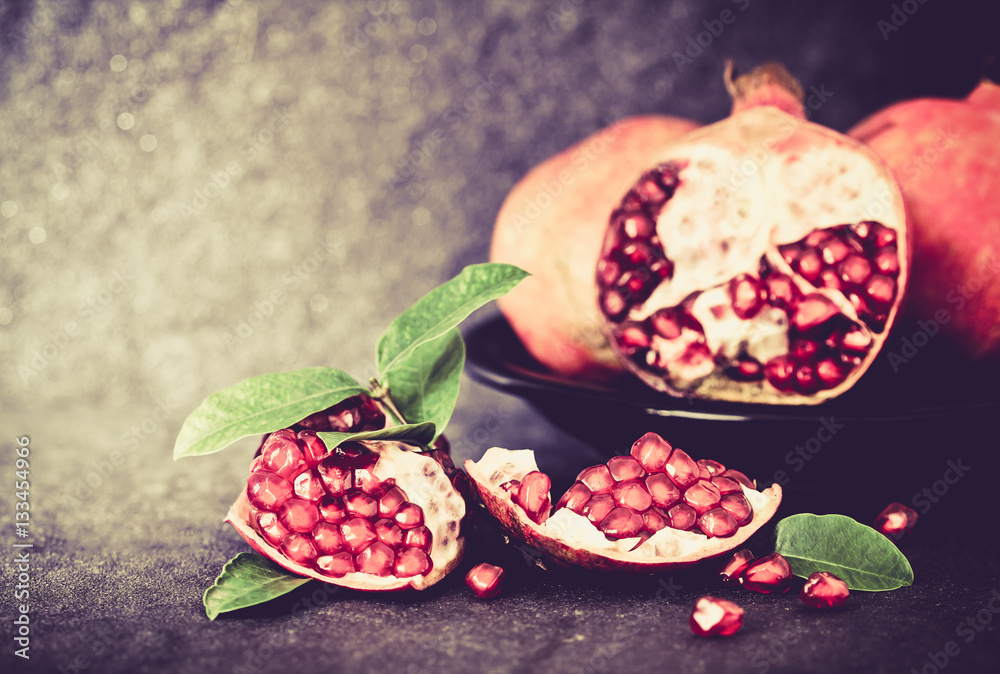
(365, 515)
(644, 512)
(774, 260)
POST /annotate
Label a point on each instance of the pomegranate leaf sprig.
(420, 357)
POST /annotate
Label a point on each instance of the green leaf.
(442, 309)
(425, 386)
(414, 434)
(860, 556)
(261, 404)
(247, 580)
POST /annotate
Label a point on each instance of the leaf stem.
(381, 394)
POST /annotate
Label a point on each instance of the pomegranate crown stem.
(767, 84)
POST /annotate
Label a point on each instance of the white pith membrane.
(572, 538)
(425, 483)
(760, 179)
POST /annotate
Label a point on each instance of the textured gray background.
(170, 168)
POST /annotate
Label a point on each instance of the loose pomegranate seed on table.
(824, 590)
(716, 617)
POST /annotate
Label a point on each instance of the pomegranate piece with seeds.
(767, 574)
(485, 580)
(716, 617)
(896, 521)
(646, 510)
(772, 285)
(824, 590)
(365, 515)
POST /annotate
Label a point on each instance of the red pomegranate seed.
(613, 304)
(804, 349)
(332, 509)
(834, 250)
(747, 296)
(418, 537)
(716, 617)
(855, 269)
(781, 291)
(412, 562)
(666, 325)
(816, 237)
(485, 580)
(271, 528)
(651, 451)
(727, 485)
(812, 311)
(883, 235)
(655, 519)
(327, 538)
(896, 521)
(389, 533)
(738, 506)
(597, 479)
(364, 474)
(360, 504)
(533, 496)
(282, 455)
(856, 340)
(336, 566)
(409, 516)
(309, 487)
(881, 290)
(717, 523)
(662, 490)
(625, 468)
(741, 478)
(681, 468)
(622, 523)
(887, 262)
(780, 372)
(358, 533)
(734, 567)
(635, 225)
(805, 380)
(824, 590)
(713, 467)
(809, 264)
(830, 373)
(267, 491)
(862, 229)
(608, 272)
(575, 498)
(378, 559)
(682, 516)
(768, 574)
(631, 336)
(650, 191)
(702, 496)
(336, 474)
(632, 494)
(828, 279)
(598, 507)
(299, 548)
(313, 449)
(390, 501)
(298, 515)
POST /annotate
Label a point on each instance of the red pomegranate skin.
(552, 224)
(944, 156)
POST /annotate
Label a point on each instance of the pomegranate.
(824, 590)
(716, 617)
(759, 259)
(364, 515)
(768, 574)
(896, 521)
(652, 509)
(485, 580)
(552, 223)
(943, 154)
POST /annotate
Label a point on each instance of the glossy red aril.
(896, 521)
(366, 515)
(734, 567)
(716, 617)
(485, 580)
(771, 240)
(652, 508)
(824, 590)
(767, 574)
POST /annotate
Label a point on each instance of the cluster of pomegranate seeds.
(824, 590)
(485, 580)
(896, 521)
(636, 263)
(716, 617)
(654, 487)
(357, 414)
(330, 511)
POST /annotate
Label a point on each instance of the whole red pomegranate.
(552, 224)
(649, 510)
(760, 259)
(944, 154)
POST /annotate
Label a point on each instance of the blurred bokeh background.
(196, 192)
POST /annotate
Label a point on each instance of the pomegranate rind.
(426, 484)
(803, 177)
(570, 539)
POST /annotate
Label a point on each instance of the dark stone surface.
(330, 202)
